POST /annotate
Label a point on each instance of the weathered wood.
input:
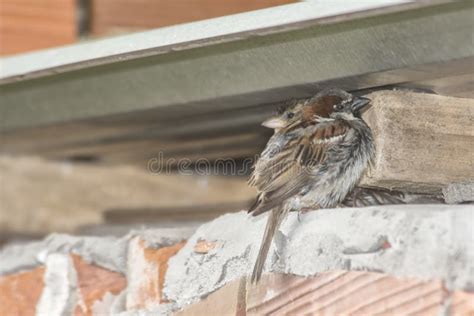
(424, 141)
(39, 196)
(173, 214)
(139, 151)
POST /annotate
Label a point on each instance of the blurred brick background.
(27, 25)
(118, 15)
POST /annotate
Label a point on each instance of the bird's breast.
(341, 171)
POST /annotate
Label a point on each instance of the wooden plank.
(141, 151)
(424, 141)
(62, 197)
(202, 122)
(192, 213)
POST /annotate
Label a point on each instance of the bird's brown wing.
(287, 173)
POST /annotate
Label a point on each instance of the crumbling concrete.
(459, 192)
(422, 241)
(60, 292)
(74, 264)
(107, 252)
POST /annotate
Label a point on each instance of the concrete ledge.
(429, 242)
(398, 259)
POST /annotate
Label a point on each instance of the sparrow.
(318, 152)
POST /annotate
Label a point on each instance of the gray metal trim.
(422, 44)
(192, 35)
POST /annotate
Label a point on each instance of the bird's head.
(329, 103)
(333, 103)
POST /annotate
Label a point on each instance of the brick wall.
(115, 16)
(168, 271)
(31, 24)
(27, 25)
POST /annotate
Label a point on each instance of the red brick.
(31, 24)
(334, 293)
(118, 15)
(147, 270)
(94, 282)
(462, 304)
(203, 246)
(20, 292)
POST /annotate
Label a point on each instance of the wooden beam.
(424, 141)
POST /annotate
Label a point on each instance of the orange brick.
(225, 301)
(94, 282)
(20, 292)
(116, 15)
(147, 270)
(204, 246)
(30, 24)
(346, 293)
(333, 293)
(462, 304)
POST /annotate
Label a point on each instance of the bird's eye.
(338, 107)
(290, 115)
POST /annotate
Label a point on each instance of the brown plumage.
(315, 157)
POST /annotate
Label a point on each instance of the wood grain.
(424, 141)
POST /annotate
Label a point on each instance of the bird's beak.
(274, 123)
(359, 103)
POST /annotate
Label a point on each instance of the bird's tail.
(274, 220)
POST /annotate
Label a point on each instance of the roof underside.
(205, 95)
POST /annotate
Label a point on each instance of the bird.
(319, 150)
